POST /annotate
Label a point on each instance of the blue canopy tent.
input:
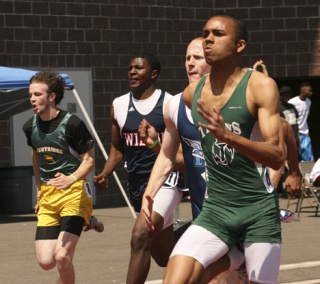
(14, 85)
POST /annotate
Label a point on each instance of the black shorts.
(136, 187)
(70, 224)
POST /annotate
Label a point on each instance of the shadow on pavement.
(5, 219)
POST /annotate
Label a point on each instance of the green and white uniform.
(242, 203)
(59, 144)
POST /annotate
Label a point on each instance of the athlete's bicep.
(116, 141)
(270, 123)
(266, 97)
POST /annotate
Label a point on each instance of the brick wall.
(102, 34)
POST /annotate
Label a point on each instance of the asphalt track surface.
(103, 258)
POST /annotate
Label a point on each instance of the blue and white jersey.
(129, 113)
(192, 152)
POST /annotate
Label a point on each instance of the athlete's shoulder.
(73, 122)
(258, 78)
(262, 89)
(28, 123)
(167, 97)
(173, 108)
(73, 118)
(189, 92)
(175, 101)
(122, 98)
(27, 126)
(167, 94)
(121, 102)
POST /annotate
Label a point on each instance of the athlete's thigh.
(164, 203)
(66, 244)
(162, 245)
(46, 239)
(200, 244)
(263, 261)
(195, 250)
(45, 249)
(70, 231)
(182, 269)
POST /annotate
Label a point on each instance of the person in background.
(302, 104)
(62, 157)
(143, 102)
(315, 174)
(179, 117)
(289, 112)
(259, 63)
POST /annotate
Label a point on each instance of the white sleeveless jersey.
(144, 107)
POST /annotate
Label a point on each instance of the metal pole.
(102, 149)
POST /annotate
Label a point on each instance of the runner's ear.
(241, 45)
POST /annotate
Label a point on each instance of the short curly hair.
(151, 58)
(54, 81)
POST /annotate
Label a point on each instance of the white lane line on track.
(299, 265)
(314, 281)
(282, 267)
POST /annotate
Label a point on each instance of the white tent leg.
(102, 149)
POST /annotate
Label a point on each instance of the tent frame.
(20, 83)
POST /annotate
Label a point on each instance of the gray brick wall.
(102, 34)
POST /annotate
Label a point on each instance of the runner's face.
(139, 74)
(39, 98)
(219, 40)
(196, 65)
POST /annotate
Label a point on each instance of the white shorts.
(262, 259)
(263, 262)
(166, 199)
(201, 245)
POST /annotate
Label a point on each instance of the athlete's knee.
(46, 263)
(63, 259)
(140, 237)
(47, 266)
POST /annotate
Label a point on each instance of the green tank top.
(233, 179)
(54, 152)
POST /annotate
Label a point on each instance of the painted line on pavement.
(314, 281)
(282, 267)
(299, 265)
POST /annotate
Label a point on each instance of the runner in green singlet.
(236, 111)
(62, 157)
